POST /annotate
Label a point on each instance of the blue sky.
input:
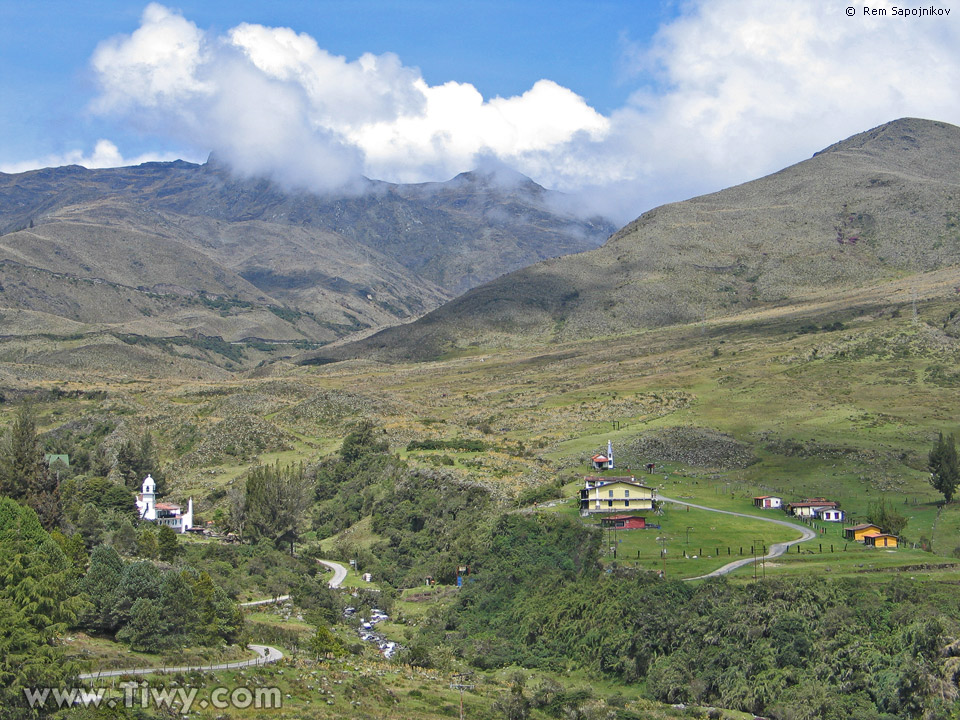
(621, 104)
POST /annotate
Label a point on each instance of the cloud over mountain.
(726, 91)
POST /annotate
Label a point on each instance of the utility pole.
(458, 684)
(663, 555)
(759, 559)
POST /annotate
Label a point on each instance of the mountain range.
(169, 250)
(881, 206)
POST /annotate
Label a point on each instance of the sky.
(621, 104)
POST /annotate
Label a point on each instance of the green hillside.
(879, 206)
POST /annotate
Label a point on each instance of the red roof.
(600, 458)
(814, 503)
(167, 506)
(624, 517)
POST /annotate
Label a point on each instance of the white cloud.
(105, 154)
(270, 101)
(159, 63)
(746, 87)
(729, 90)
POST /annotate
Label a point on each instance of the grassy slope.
(848, 413)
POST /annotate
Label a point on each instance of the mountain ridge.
(184, 249)
(880, 204)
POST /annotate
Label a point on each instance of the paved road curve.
(265, 655)
(776, 550)
(339, 572)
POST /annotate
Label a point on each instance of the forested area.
(537, 597)
(535, 594)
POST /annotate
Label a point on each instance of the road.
(268, 601)
(265, 655)
(776, 550)
(339, 572)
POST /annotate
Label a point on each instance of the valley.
(442, 460)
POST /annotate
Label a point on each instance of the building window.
(626, 493)
(610, 493)
(626, 503)
(609, 503)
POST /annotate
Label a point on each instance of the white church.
(163, 513)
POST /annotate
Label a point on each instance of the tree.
(179, 605)
(23, 472)
(35, 608)
(147, 546)
(886, 517)
(137, 458)
(138, 580)
(27, 661)
(120, 499)
(944, 467)
(237, 500)
(146, 631)
(74, 549)
(99, 583)
(324, 643)
(167, 545)
(365, 438)
(125, 538)
(514, 705)
(90, 526)
(277, 501)
(21, 458)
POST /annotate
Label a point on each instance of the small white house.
(829, 514)
(768, 501)
(163, 513)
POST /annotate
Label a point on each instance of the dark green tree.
(179, 606)
(147, 546)
(365, 438)
(168, 547)
(886, 517)
(138, 580)
(125, 538)
(90, 526)
(944, 467)
(35, 608)
(23, 472)
(119, 499)
(99, 585)
(277, 502)
(146, 629)
(137, 458)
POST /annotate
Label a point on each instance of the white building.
(829, 514)
(163, 513)
(603, 462)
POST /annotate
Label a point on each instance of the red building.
(624, 522)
